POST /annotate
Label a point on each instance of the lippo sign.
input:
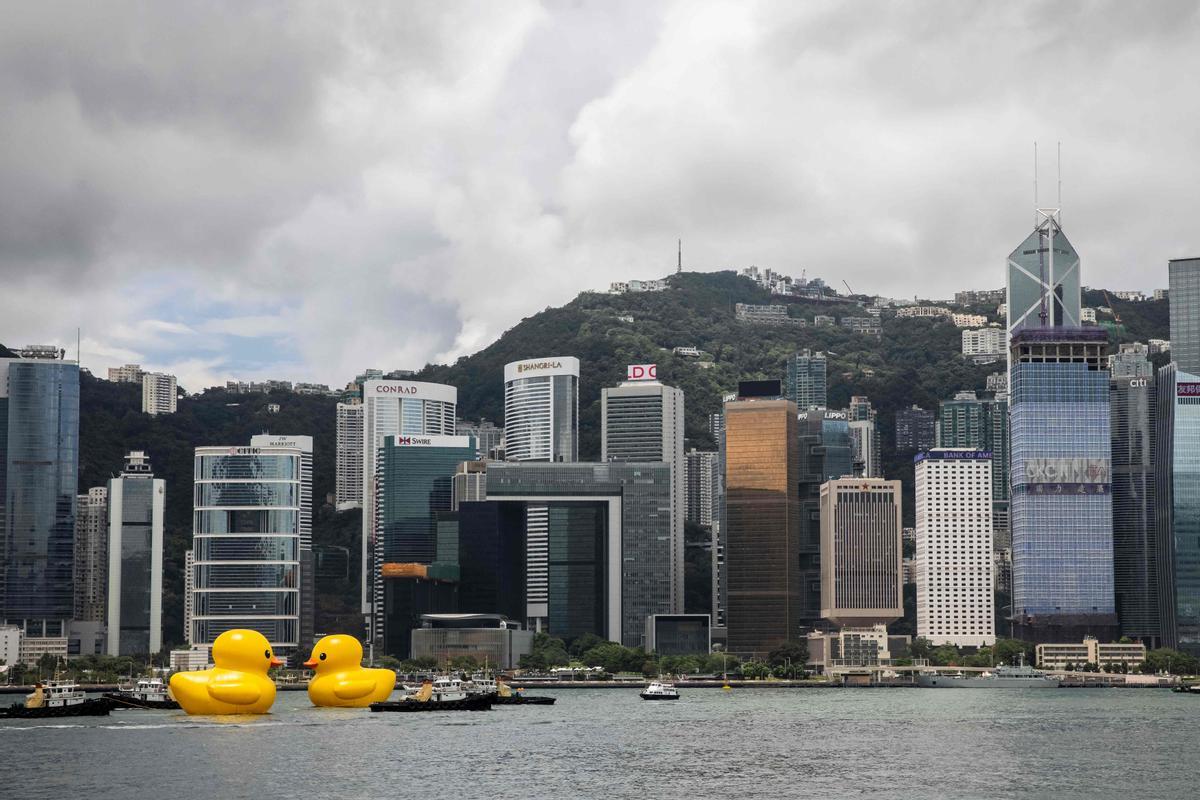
(641, 372)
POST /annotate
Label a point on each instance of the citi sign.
(389, 388)
(641, 372)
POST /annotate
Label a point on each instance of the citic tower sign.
(641, 372)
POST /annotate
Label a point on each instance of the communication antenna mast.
(1060, 183)
(679, 264)
(1036, 220)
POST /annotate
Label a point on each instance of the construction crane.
(848, 289)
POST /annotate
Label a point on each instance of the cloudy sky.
(291, 190)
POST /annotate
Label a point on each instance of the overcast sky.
(302, 191)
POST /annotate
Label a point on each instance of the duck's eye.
(267, 653)
(322, 656)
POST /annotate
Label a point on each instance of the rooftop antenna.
(1036, 220)
(679, 264)
(1060, 184)
(78, 347)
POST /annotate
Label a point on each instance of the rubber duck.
(340, 680)
(237, 684)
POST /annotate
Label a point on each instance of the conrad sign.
(386, 390)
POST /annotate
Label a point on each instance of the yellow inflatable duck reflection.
(237, 684)
(341, 680)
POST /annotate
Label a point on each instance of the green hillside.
(916, 361)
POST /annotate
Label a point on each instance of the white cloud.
(304, 191)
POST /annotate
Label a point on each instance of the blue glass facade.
(1061, 483)
(39, 462)
(1178, 506)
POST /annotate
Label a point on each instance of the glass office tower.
(1134, 413)
(762, 529)
(39, 462)
(1184, 279)
(1178, 508)
(246, 543)
(135, 559)
(805, 384)
(1062, 537)
(541, 409)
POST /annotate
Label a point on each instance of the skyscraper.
(955, 598)
(395, 408)
(702, 479)
(159, 392)
(91, 555)
(805, 384)
(348, 478)
(39, 463)
(642, 421)
(825, 454)
(762, 524)
(247, 530)
(915, 430)
(414, 483)
(862, 576)
(864, 436)
(1061, 485)
(135, 559)
(1134, 413)
(541, 409)
(1177, 516)
(1184, 299)
(1043, 279)
(969, 423)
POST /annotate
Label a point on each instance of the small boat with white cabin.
(147, 693)
(443, 694)
(660, 690)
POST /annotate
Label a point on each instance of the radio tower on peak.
(679, 264)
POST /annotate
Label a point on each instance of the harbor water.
(607, 743)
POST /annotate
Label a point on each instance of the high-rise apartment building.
(1184, 299)
(1062, 536)
(135, 559)
(805, 384)
(489, 438)
(642, 421)
(762, 524)
(702, 479)
(862, 576)
(348, 478)
(248, 526)
(130, 373)
(983, 345)
(955, 595)
(39, 463)
(864, 436)
(1134, 412)
(91, 555)
(915, 430)
(159, 392)
(541, 409)
(395, 408)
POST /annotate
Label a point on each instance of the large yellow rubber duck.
(237, 684)
(340, 680)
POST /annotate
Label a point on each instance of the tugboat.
(658, 690)
(57, 699)
(444, 694)
(505, 696)
(149, 693)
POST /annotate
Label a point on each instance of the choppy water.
(603, 743)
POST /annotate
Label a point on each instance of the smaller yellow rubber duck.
(237, 684)
(340, 680)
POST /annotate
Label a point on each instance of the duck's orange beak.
(311, 663)
(275, 662)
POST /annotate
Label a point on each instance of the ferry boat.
(505, 696)
(1018, 677)
(148, 693)
(658, 690)
(443, 694)
(57, 699)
